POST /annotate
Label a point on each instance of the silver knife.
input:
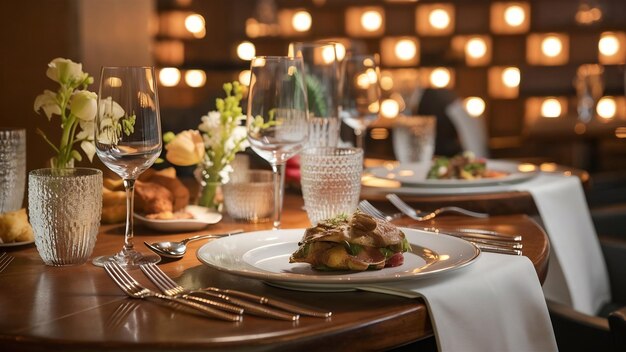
(474, 233)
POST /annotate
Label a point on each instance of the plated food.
(464, 166)
(357, 242)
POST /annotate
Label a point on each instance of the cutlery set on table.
(486, 240)
(223, 304)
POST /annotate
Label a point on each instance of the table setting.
(313, 268)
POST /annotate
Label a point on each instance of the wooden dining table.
(80, 308)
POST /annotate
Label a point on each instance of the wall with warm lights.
(514, 63)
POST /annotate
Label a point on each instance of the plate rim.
(512, 178)
(16, 244)
(339, 282)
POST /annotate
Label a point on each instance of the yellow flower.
(186, 149)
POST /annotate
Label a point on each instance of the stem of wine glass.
(129, 186)
(358, 133)
(279, 181)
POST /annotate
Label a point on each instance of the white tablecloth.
(494, 304)
(577, 275)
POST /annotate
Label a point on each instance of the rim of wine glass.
(277, 57)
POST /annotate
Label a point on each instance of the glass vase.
(210, 194)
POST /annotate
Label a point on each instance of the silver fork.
(155, 274)
(413, 214)
(5, 260)
(488, 243)
(133, 289)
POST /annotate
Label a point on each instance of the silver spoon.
(175, 249)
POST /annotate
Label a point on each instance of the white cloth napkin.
(577, 275)
(494, 304)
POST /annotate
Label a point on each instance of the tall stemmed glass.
(321, 78)
(278, 118)
(360, 92)
(128, 140)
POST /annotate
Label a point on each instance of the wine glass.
(278, 117)
(321, 78)
(128, 140)
(360, 92)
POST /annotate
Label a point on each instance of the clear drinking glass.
(321, 77)
(414, 139)
(331, 181)
(278, 117)
(12, 168)
(360, 93)
(128, 140)
(246, 195)
(64, 207)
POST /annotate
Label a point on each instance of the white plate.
(203, 217)
(15, 244)
(414, 175)
(264, 255)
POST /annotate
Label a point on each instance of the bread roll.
(14, 227)
(151, 198)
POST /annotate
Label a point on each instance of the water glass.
(248, 196)
(414, 139)
(12, 168)
(331, 181)
(65, 206)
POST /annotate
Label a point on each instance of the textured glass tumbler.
(65, 206)
(12, 168)
(249, 196)
(331, 181)
(414, 139)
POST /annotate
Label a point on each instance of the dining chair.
(605, 331)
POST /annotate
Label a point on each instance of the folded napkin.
(494, 304)
(577, 275)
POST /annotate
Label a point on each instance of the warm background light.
(340, 51)
(371, 20)
(195, 78)
(474, 106)
(608, 44)
(405, 49)
(169, 76)
(514, 15)
(301, 21)
(389, 108)
(440, 77)
(476, 48)
(511, 77)
(195, 24)
(399, 51)
(547, 49)
(434, 19)
(244, 77)
(606, 108)
(439, 18)
(551, 108)
(386, 82)
(246, 51)
(551, 46)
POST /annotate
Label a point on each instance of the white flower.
(211, 141)
(210, 122)
(186, 149)
(225, 173)
(86, 130)
(89, 148)
(84, 104)
(110, 109)
(65, 71)
(48, 102)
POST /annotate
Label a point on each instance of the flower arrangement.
(76, 107)
(214, 145)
